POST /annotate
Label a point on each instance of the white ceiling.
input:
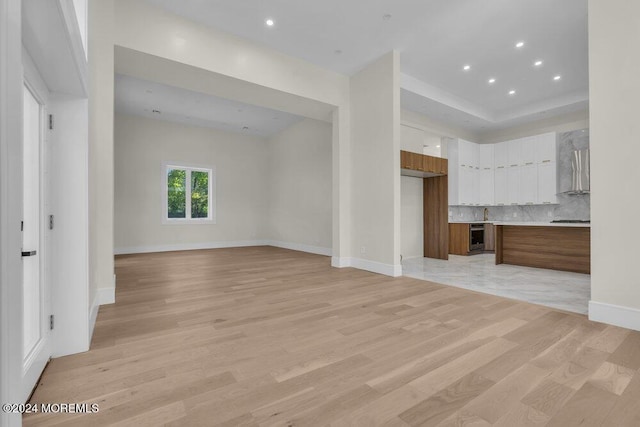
(435, 38)
(141, 97)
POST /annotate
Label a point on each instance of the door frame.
(10, 206)
(41, 354)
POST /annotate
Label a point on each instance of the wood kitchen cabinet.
(413, 161)
(421, 165)
(459, 238)
(489, 237)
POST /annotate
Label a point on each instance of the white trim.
(617, 315)
(93, 315)
(318, 250)
(106, 296)
(189, 246)
(103, 296)
(340, 262)
(377, 267)
(187, 220)
(75, 42)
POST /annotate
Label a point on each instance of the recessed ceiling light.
(512, 92)
(269, 22)
(519, 45)
(466, 67)
(492, 81)
(537, 63)
(437, 146)
(556, 78)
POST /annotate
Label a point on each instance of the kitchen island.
(556, 246)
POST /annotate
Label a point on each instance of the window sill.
(188, 222)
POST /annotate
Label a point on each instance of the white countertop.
(471, 222)
(545, 224)
(527, 224)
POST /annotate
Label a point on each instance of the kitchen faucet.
(486, 214)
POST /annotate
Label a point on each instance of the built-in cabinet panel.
(513, 185)
(518, 172)
(514, 152)
(486, 156)
(501, 197)
(501, 155)
(528, 148)
(546, 150)
(486, 184)
(528, 191)
(547, 183)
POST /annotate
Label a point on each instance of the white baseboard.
(318, 250)
(377, 267)
(106, 296)
(93, 315)
(340, 262)
(189, 246)
(616, 315)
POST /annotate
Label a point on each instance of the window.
(189, 194)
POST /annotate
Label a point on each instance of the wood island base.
(555, 248)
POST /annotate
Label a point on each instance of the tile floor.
(557, 289)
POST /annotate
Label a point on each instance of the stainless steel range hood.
(579, 173)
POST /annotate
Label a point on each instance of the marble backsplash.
(568, 207)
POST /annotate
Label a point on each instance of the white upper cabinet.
(486, 190)
(514, 153)
(468, 153)
(513, 185)
(501, 155)
(528, 191)
(547, 184)
(518, 172)
(528, 150)
(501, 197)
(546, 148)
(486, 156)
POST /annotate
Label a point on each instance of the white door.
(36, 346)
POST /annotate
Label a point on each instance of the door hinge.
(51, 322)
(50, 222)
(50, 121)
(21, 225)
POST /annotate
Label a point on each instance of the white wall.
(101, 89)
(412, 238)
(614, 67)
(562, 123)
(411, 139)
(116, 24)
(300, 186)
(241, 168)
(375, 166)
(434, 127)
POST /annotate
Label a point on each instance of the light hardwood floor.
(267, 336)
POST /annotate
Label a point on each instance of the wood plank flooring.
(270, 337)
